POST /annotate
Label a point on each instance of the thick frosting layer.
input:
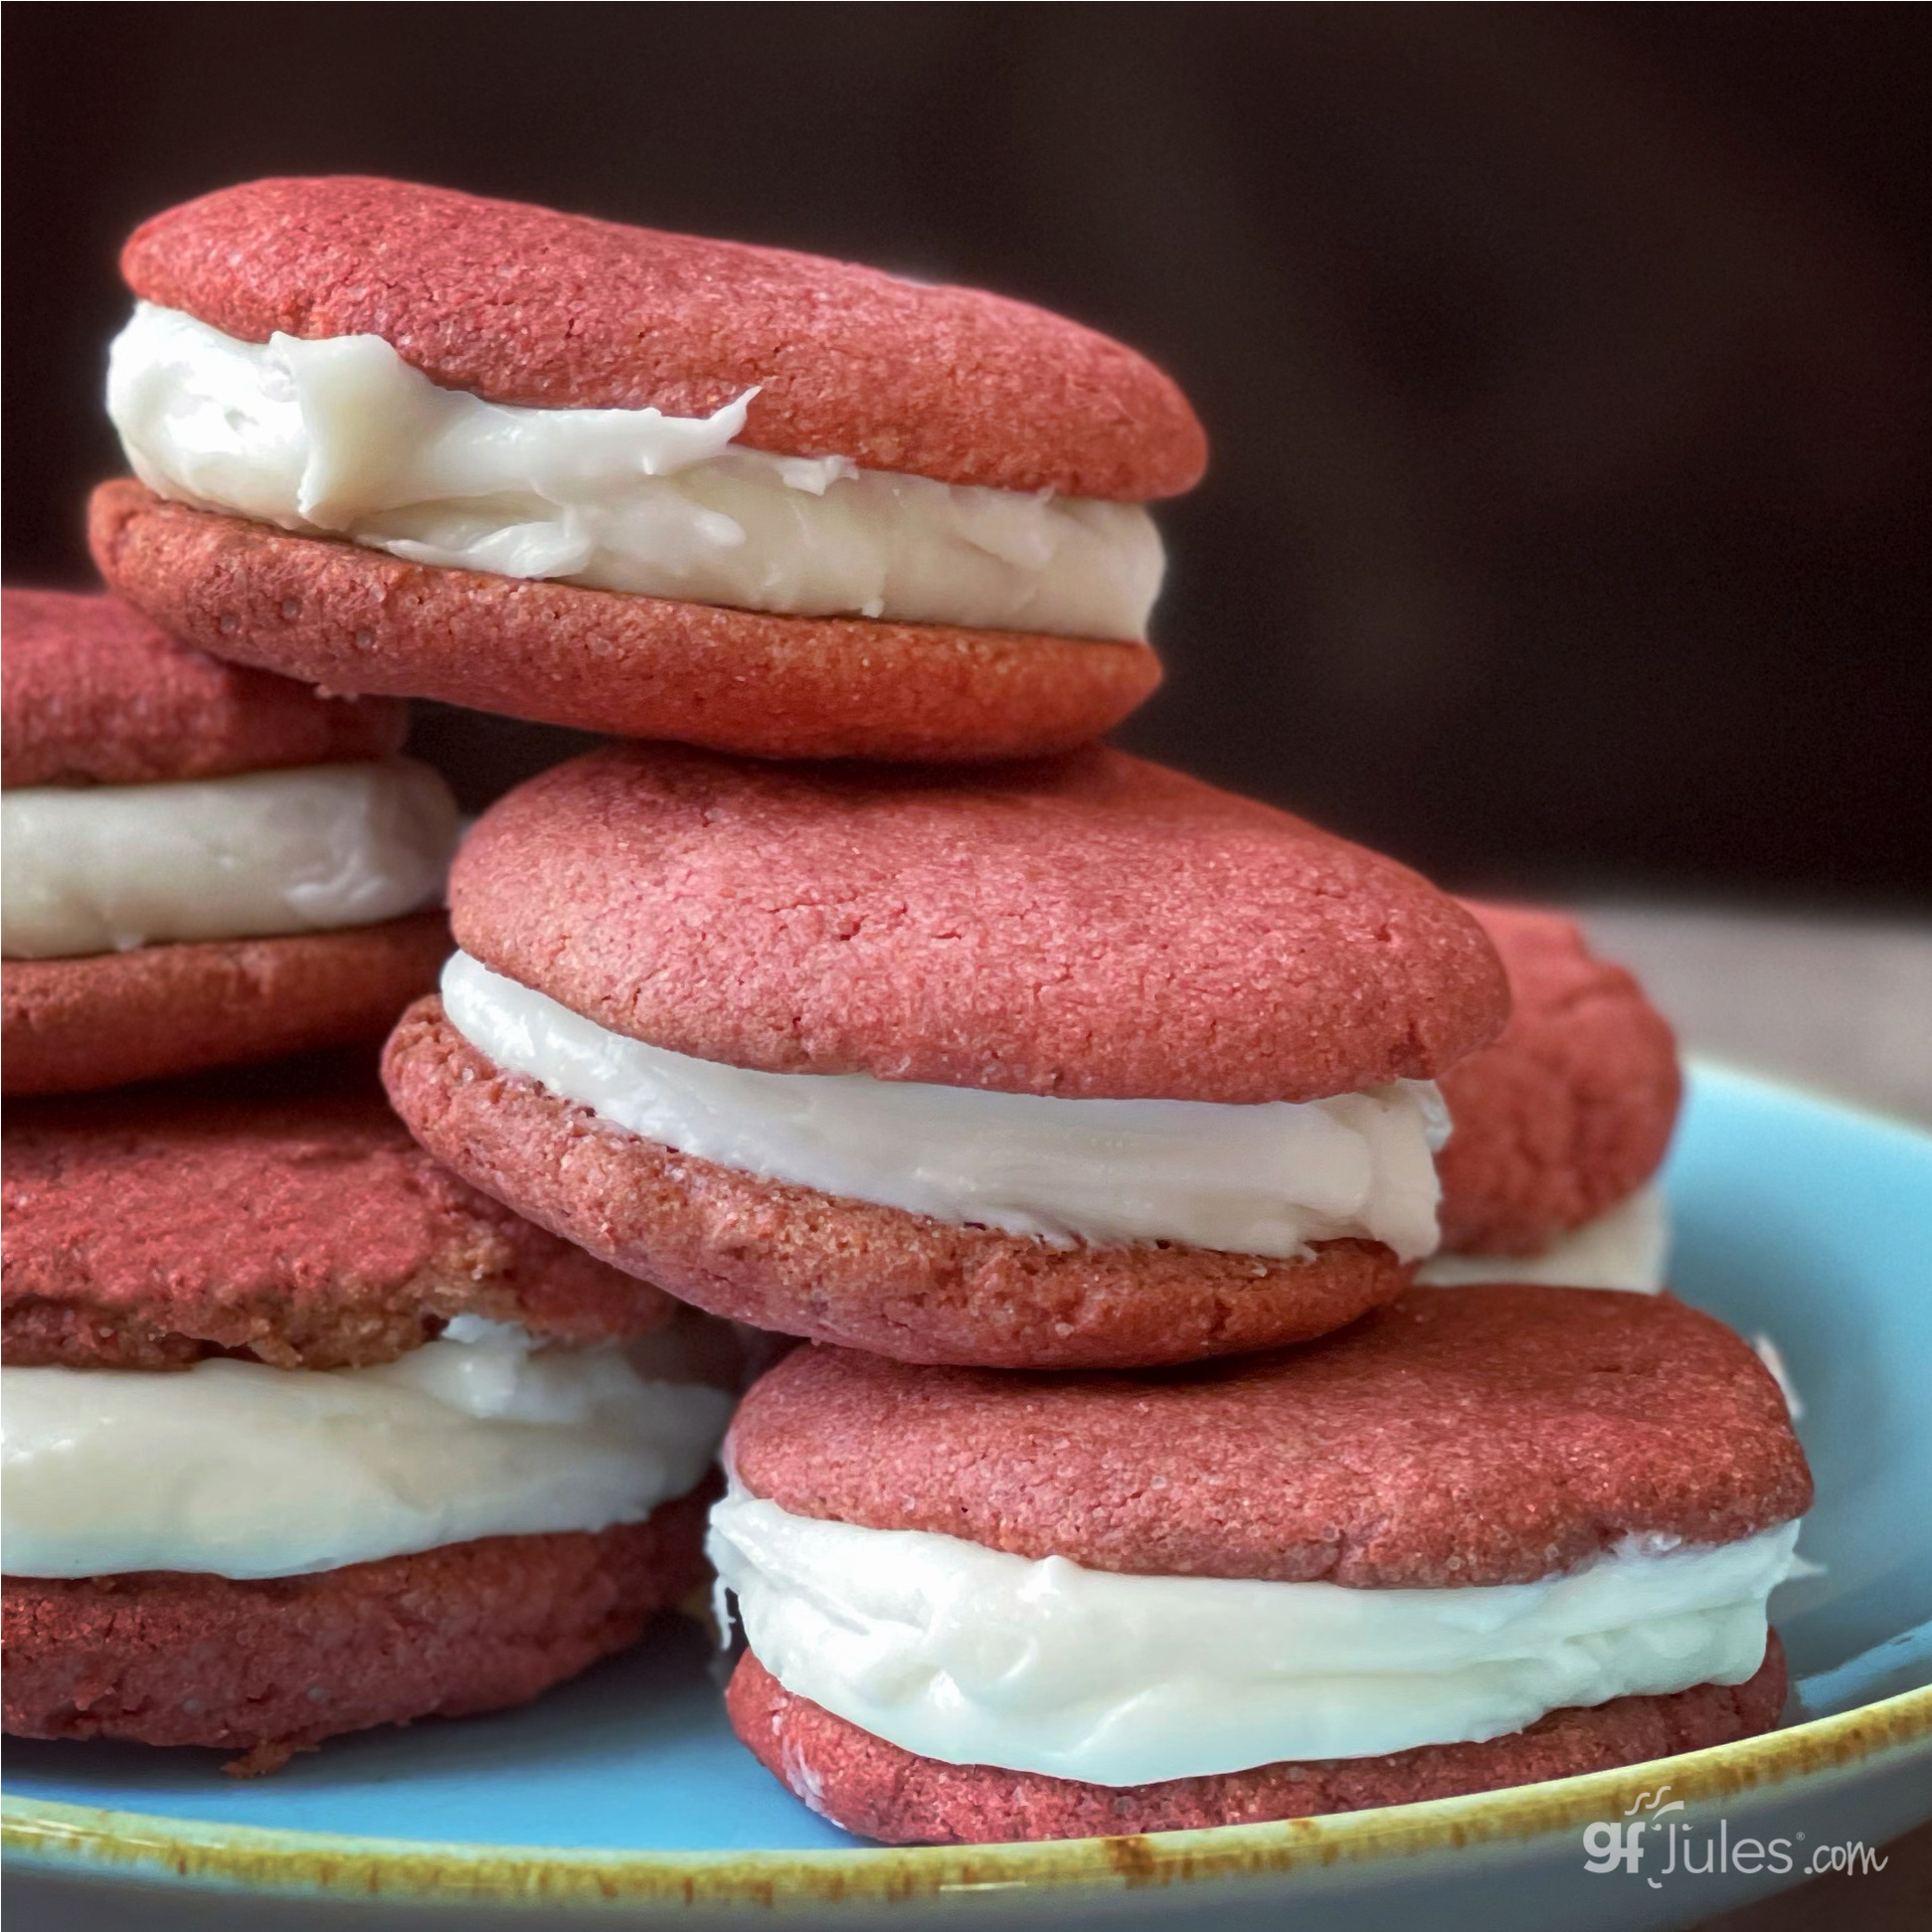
(1264, 1179)
(1626, 1248)
(342, 437)
(975, 1657)
(104, 868)
(246, 1470)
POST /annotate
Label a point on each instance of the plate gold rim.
(77, 1839)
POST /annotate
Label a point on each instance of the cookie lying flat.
(396, 438)
(303, 1434)
(1482, 1535)
(203, 864)
(1561, 1123)
(1074, 1063)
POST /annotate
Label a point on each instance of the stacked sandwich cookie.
(275, 1377)
(1067, 1064)
(1082, 1120)
(203, 864)
(1485, 1536)
(303, 1435)
(392, 438)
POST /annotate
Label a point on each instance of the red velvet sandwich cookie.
(394, 439)
(1560, 1123)
(204, 864)
(1073, 1063)
(1482, 1536)
(305, 1435)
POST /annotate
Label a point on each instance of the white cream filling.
(246, 1470)
(974, 1657)
(104, 868)
(1773, 1359)
(1264, 1179)
(342, 437)
(1626, 1248)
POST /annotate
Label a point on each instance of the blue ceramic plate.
(626, 1794)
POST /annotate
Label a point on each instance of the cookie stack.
(303, 1434)
(1081, 1116)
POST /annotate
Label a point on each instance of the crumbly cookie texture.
(525, 305)
(1089, 927)
(273, 1666)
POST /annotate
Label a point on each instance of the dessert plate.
(624, 1798)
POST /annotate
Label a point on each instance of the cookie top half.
(1461, 1437)
(523, 305)
(1089, 927)
(92, 693)
(282, 1214)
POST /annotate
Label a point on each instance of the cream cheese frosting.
(972, 1656)
(104, 868)
(340, 437)
(1262, 1180)
(239, 1470)
(1626, 1248)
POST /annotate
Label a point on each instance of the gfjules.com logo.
(1649, 1841)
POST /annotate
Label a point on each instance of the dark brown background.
(1567, 368)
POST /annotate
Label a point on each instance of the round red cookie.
(882, 1791)
(789, 1259)
(1463, 1437)
(71, 1025)
(270, 1666)
(1569, 1110)
(358, 619)
(283, 1214)
(92, 693)
(528, 307)
(1091, 927)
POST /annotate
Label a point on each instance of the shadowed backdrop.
(1566, 368)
